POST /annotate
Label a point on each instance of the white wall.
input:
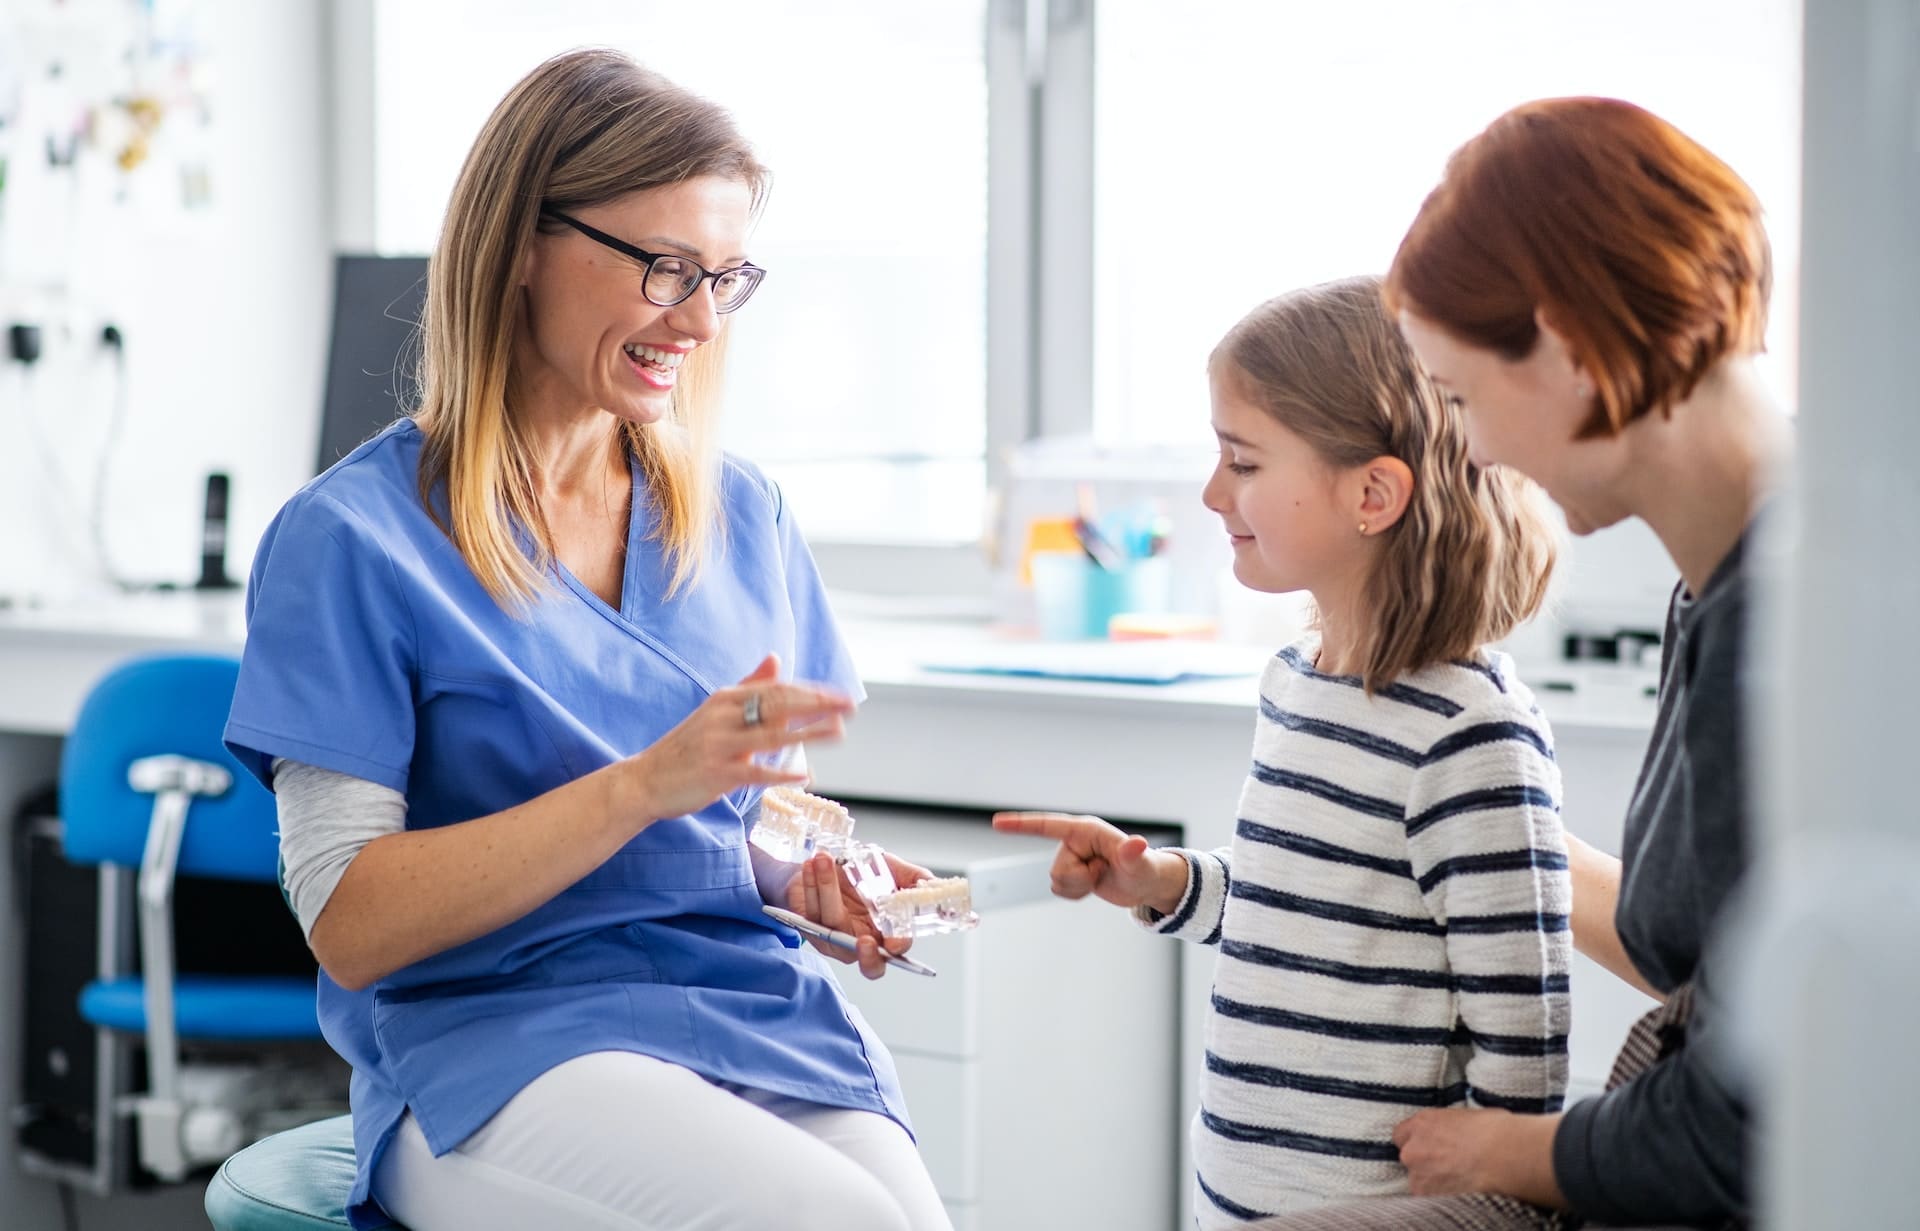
(224, 309)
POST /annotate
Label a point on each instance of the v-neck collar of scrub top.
(633, 560)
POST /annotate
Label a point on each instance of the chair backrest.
(169, 703)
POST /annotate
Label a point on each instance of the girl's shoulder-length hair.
(1471, 557)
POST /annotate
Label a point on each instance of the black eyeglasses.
(673, 279)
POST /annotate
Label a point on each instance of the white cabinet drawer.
(937, 1016)
(1008, 875)
(1008, 1050)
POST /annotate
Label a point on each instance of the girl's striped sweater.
(1392, 919)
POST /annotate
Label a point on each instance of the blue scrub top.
(372, 650)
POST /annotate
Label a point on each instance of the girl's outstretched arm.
(1097, 858)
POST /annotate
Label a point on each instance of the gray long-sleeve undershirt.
(326, 818)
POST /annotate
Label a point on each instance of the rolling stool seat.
(297, 1179)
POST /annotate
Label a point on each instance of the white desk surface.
(50, 655)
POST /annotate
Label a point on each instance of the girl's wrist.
(1172, 874)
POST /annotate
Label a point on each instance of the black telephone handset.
(213, 538)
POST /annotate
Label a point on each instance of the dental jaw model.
(794, 825)
(939, 904)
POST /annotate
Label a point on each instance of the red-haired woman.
(1590, 286)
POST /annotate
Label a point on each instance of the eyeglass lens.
(672, 279)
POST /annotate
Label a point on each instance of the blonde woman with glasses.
(514, 669)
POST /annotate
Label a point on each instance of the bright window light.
(1266, 146)
(856, 376)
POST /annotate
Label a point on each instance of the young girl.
(1392, 914)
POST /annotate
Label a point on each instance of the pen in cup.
(843, 940)
(1087, 532)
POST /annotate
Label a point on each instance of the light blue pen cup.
(1074, 599)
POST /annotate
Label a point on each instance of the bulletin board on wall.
(105, 111)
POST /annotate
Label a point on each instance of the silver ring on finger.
(751, 712)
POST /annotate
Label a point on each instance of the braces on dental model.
(793, 825)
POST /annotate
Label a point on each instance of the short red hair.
(1637, 245)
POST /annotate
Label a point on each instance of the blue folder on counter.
(1112, 662)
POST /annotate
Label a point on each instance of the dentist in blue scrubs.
(518, 669)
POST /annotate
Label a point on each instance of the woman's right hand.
(713, 750)
(1096, 858)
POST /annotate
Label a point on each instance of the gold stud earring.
(1363, 527)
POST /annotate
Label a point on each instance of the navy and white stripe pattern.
(1393, 932)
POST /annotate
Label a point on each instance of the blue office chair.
(146, 783)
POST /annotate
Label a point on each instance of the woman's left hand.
(1480, 1150)
(823, 894)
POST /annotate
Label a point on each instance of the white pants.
(616, 1141)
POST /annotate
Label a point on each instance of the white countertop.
(156, 619)
(59, 649)
(890, 654)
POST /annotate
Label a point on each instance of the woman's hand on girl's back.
(1097, 858)
(712, 751)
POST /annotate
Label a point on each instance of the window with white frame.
(993, 219)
